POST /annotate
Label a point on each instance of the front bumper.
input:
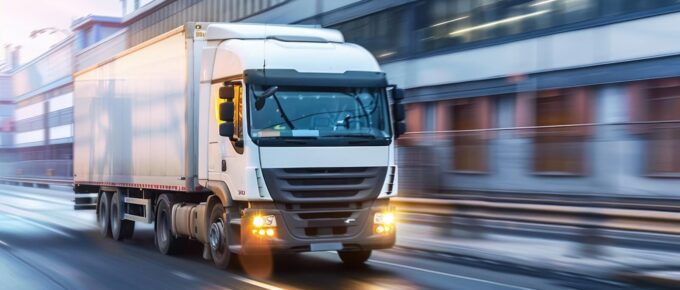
(292, 233)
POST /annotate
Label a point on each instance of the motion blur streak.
(77, 263)
(541, 148)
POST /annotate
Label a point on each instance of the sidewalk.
(542, 255)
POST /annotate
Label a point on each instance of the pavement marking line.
(3, 243)
(257, 283)
(450, 275)
(51, 229)
(37, 197)
(183, 275)
(9, 209)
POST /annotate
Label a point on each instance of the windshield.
(319, 116)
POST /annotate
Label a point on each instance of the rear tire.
(165, 241)
(103, 216)
(354, 258)
(219, 248)
(120, 229)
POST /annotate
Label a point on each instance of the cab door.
(227, 162)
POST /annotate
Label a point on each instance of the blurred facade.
(570, 97)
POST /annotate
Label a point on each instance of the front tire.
(103, 216)
(218, 237)
(120, 229)
(354, 258)
(166, 242)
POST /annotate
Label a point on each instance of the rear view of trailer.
(133, 118)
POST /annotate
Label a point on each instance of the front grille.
(325, 202)
(313, 185)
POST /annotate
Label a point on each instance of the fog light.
(270, 232)
(379, 229)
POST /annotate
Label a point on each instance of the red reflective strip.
(136, 185)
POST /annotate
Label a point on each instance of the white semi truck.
(249, 138)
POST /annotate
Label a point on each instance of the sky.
(18, 18)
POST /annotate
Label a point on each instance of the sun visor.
(290, 77)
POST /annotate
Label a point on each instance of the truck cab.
(301, 133)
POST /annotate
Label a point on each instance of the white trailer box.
(134, 119)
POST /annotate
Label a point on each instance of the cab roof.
(297, 33)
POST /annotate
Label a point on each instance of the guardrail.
(36, 181)
(639, 220)
(567, 214)
(80, 201)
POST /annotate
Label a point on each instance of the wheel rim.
(215, 235)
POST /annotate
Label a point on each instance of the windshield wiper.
(284, 116)
(271, 92)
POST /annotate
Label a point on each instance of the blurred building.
(8, 63)
(565, 97)
(570, 97)
(42, 93)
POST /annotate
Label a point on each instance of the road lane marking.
(37, 197)
(183, 275)
(449, 275)
(257, 283)
(9, 209)
(51, 229)
(3, 243)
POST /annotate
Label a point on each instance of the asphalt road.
(45, 244)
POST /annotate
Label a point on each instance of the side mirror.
(261, 99)
(227, 130)
(399, 128)
(398, 95)
(227, 112)
(227, 92)
(399, 112)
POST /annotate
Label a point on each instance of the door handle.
(224, 165)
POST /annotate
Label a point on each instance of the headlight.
(264, 221)
(264, 226)
(384, 218)
(383, 223)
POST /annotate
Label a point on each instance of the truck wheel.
(166, 242)
(103, 218)
(354, 258)
(120, 229)
(218, 238)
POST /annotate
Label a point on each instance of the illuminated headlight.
(264, 226)
(260, 221)
(383, 223)
(383, 218)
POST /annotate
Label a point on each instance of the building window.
(432, 25)
(468, 118)
(381, 33)
(559, 146)
(663, 105)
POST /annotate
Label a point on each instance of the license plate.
(317, 247)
